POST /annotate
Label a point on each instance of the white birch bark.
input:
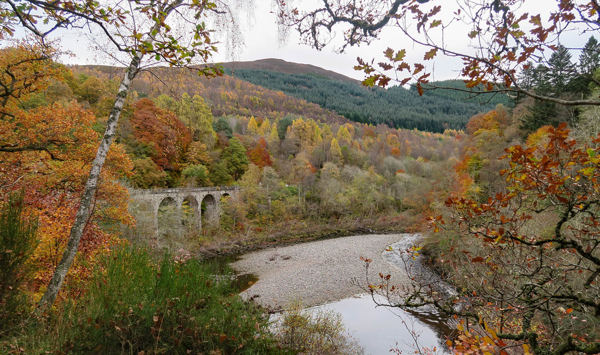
(85, 206)
(83, 212)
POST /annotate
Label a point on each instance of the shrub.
(315, 332)
(135, 305)
(17, 243)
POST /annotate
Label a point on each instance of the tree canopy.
(502, 37)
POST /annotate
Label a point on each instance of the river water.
(380, 329)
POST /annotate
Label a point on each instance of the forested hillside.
(397, 107)
(282, 66)
(227, 131)
(509, 208)
(304, 171)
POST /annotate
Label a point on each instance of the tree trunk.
(83, 212)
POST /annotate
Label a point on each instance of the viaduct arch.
(194, 197)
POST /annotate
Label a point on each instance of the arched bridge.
(201, 201)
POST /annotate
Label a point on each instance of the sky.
(261, 40)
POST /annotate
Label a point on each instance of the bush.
(17, 244)
(315, 332)
(135, 305)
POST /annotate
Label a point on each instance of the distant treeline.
(397, 107)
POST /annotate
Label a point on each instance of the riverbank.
(318, 272)
(298, 231)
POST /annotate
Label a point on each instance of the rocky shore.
(317, 272)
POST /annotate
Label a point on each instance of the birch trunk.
(83, 212)
(85, 206)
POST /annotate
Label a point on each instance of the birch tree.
(142, 33)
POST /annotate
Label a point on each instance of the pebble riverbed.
(318, 272)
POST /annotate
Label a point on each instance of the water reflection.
(220, 266)
(380, 329)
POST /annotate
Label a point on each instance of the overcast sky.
(261, 40)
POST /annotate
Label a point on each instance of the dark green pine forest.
(396, 106)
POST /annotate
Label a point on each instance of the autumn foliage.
(532, 251)
(46, 152)
(164, 137)
(259, 155)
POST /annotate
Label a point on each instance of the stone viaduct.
(202, 201)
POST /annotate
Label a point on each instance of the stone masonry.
(194, 196)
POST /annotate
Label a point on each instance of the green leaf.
(400, 55)
(370, 81)
(591, 152)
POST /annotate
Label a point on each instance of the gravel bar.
(318, 272)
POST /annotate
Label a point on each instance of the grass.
(136, 304)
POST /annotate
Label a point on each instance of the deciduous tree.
(531, 285)
(235, 156)
(140, 30)
(503, 37)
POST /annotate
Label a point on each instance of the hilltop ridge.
(282, 66)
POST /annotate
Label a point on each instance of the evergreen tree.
(17, 244)
(561, 70)
(283, 125)
(222, 126)
(554, 80)
(542, 113)
(589, 60)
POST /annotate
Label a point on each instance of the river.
(324, 275)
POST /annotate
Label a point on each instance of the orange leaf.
(430, 54)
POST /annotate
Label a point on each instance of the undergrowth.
(138, 305)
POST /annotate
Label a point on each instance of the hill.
(282, 66)
(396, 106)
(317, 93)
